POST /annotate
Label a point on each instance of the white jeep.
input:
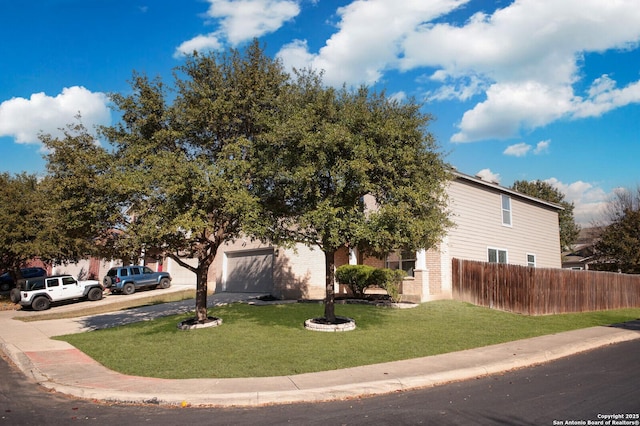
(38, 293)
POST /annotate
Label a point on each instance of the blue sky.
(529, 89)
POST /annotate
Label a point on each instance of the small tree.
(618, 246)
(569, 230)
(335, 148)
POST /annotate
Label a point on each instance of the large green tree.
(333, 151)
(27, 227)
(82, 199)
(23, 219)
(182, 160)
(569, 230)
(618, 245)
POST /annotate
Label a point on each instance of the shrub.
(390, 280)
(356, 277)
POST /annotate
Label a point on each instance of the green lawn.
(257, 341)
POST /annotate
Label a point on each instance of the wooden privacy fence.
(541, 291)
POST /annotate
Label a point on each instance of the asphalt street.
(581, 388)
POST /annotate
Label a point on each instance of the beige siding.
(477, 213)
(297, 273)
(78, 270)
(180, 274)
(81, 269)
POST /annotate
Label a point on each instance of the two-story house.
(491, 224)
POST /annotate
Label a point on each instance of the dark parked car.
(7, 283)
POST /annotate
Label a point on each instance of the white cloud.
(23, 119)
(511, 107)
(531, 51)
(522, 149)
(542, 147)
(369, 38)
(604, 96)
(488, 175)
(199, 43)
(398, 96)
(296, 55)
(518, 150)
(589, 200)
(526, 57)
(241, 20)
(461, 90)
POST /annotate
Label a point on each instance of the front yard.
(258, 341)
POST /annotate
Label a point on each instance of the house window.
(531, 259)
(496, 255)
(405, 260)
(506, 210)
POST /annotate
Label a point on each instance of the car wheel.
(40, 303)
(5, 286)
(129, 288)
(94, 294)
(164, 283)
(15, 295)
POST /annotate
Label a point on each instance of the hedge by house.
(359, 277)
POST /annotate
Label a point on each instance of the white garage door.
(250, 271)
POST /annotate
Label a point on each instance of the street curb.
(22, 361)
(511, 361)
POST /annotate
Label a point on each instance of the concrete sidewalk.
(61, 367)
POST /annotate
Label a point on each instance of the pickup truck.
(128, 279)
(40, 292)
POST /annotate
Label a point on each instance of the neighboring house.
(492, 224)
(581, 255)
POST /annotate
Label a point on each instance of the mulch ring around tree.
(194, 323)
(321, 324)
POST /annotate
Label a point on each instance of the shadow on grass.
(629, 325)
(293, 316)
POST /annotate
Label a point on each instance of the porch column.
(421, 259)
(353, 260)
(353, 256)
(421, 275)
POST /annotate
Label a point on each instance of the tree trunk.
(202, 273)
(330, 270)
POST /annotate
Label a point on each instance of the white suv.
(39, 293)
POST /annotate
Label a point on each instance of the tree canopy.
(185, 164)
(238, 147)
(30, 226)
(569, 230)
(618, 246)
(81, 197)
(334, 150)
(23, 220)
